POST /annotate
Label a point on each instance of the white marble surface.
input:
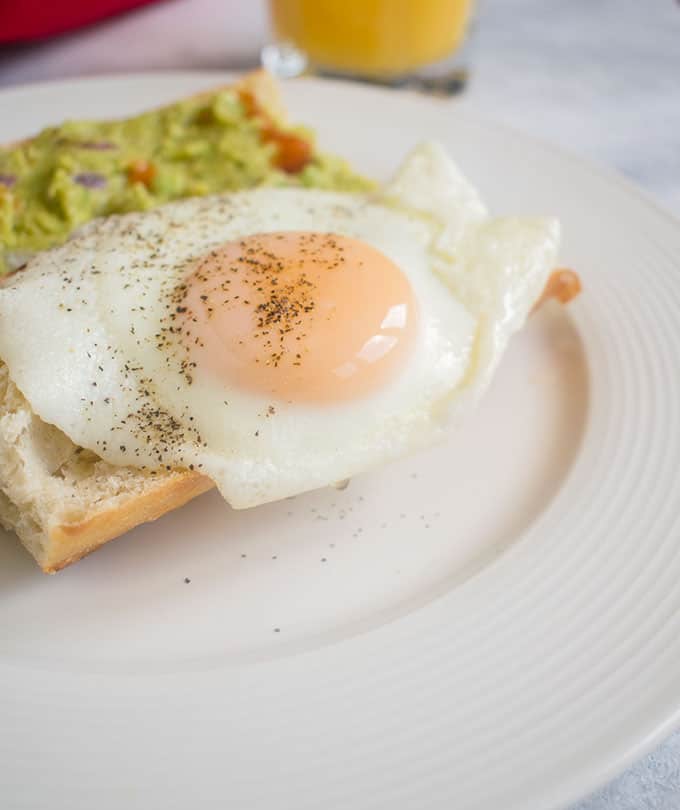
(601, 77)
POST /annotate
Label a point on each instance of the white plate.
(492, 624)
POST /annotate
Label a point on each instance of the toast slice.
(63, 501)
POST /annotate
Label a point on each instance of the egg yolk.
(299, 316)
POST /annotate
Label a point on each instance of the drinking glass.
(395, 42)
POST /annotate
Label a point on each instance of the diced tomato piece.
(141, 171)
(293, 153)
(563, 285)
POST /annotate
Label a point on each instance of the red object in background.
(22, 20)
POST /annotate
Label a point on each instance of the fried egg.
(278, 339)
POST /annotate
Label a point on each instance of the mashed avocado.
(70, 174)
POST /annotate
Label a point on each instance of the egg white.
(78, 330)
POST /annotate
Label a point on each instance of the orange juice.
(372, 37)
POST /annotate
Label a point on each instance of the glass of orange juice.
(417, 42)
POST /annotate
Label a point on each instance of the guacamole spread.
(70, 174)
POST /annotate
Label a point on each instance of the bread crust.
(70, 542)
